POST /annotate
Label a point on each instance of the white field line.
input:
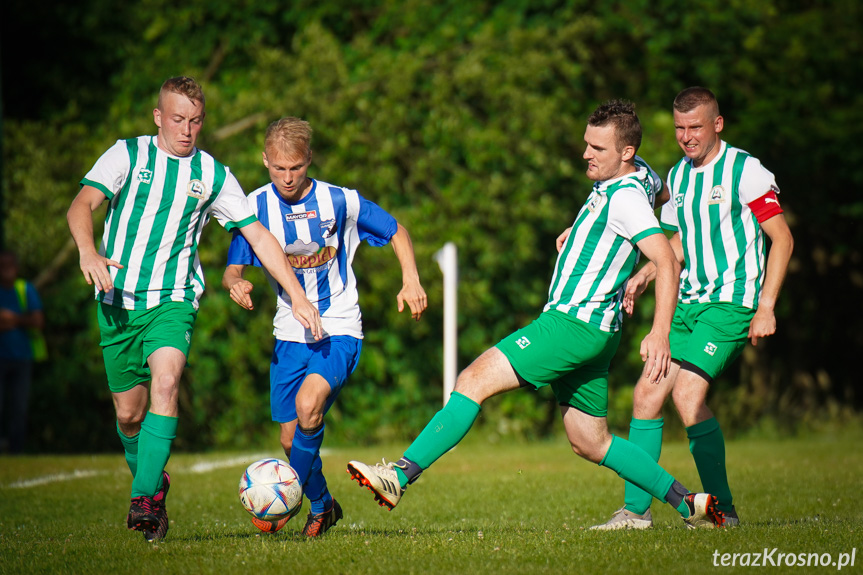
(200, 467)
(56, 478)
(206, 466)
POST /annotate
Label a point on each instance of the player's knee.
(309, 415)
(165, 385)
(469, 384)
(130, 419)
(309, 407)
(688, 406)
(586, 449)
(647, 401)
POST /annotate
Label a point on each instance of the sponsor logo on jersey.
(717, 195)
(678, 200)
(303, 256)
(710, 348)
(595, 202)
(310, 215)
(522, 342)
(328, 228)
(145, 176)
(196, 189)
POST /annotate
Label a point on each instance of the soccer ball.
(270, 490)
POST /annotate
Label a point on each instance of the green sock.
(646, 434)
(442, 433)
(634, 465)
(154, 449)
(708, 449)
(130, 448)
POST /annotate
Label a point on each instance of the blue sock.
(316, 489)
(306, 461)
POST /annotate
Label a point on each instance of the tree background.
(465, 120)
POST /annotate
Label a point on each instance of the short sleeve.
(110, 171)
(231, 208)
(668, 216)
(668, 212)
(374, 224)
(631, 215)
(755, 181)
(240, 251)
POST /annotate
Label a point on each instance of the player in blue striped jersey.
(319, 226)
(570, 345)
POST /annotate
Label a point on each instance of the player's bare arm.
(93, 265)
(412, 291)
(639, 281)
(238, 287)
(267, 249)
(763, 324)
(8, 319)
(655, 349)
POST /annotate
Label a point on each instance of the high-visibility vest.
(37, 340)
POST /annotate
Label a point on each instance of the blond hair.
(183, 85)
(289, 135)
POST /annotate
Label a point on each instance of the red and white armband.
(766, 206)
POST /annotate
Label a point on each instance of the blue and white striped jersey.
(320, 236)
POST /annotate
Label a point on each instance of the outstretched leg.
(490, 374)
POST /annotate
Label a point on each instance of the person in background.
(21, 344)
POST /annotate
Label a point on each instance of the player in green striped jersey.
(723, 201)
(161, 191)
(570, 345)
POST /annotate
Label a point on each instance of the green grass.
(483, 508)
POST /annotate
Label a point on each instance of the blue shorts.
(334, 358)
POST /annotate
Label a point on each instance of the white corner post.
(447, 259)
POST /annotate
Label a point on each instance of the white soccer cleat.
(703, 513)
(625, 519)
(381, 479)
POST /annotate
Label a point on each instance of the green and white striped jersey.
(723, 245)
(600, 253)
(158, 207)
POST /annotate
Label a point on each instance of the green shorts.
(570, 355)
(128, 337)
(707, 337)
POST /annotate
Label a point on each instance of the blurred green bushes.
(464, 120)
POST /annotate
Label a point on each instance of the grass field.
(483, 508)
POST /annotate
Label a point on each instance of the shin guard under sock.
(154, 450)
